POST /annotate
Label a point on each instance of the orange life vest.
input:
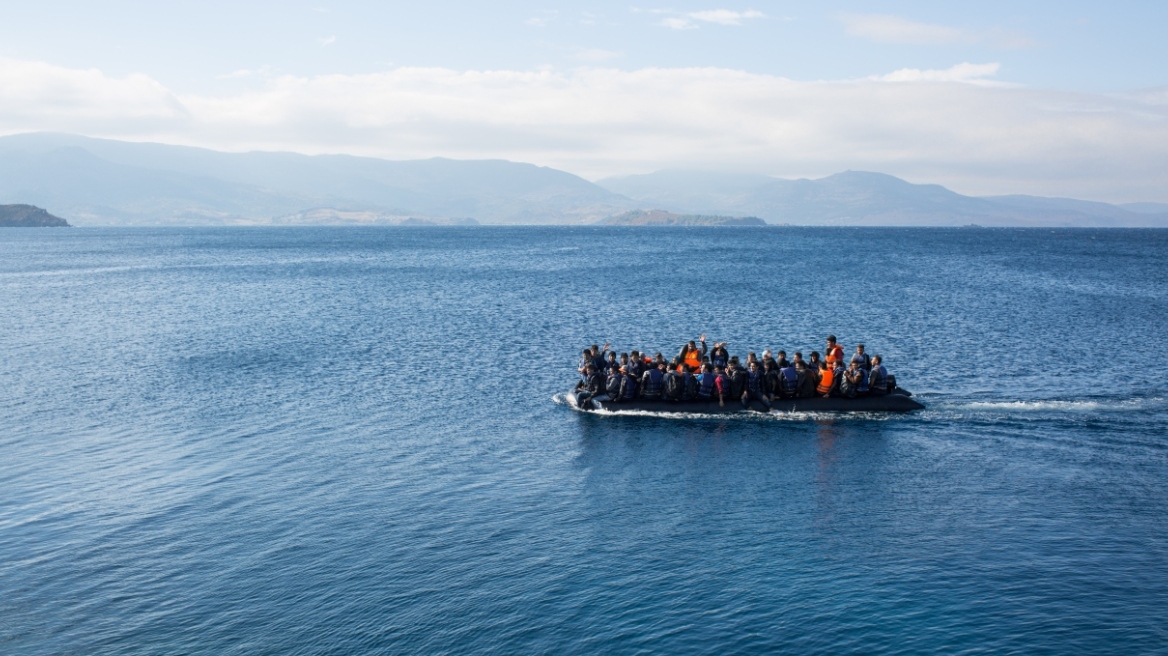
(693, 359)
(826, 378)
(835, 354)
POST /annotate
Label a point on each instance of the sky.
(1047, 98)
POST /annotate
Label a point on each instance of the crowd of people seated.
(697, 374)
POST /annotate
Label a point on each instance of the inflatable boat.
(898, 400)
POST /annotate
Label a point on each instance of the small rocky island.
(663, 218)
(29, 216)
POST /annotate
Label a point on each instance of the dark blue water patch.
(336, 440)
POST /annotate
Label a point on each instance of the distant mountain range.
(663, 218)
(862, 198)
(99, 181)
(105, 182)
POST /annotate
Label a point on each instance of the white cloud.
(247, 72)
(593, 55)
(678, 23)
(536, 22)
(929, 126)
(690, 20)
(327, 40)
(894, 29)
(964, 72)
(725, 16)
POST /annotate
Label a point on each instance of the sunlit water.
(345, 440)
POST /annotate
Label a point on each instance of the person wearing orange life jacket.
(691, 356)
(835, 352)
(828, 383)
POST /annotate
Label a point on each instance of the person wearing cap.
(767, 358)
(861, 358)
(834, 353)
(813, 361)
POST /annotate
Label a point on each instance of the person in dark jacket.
(788, 381)
(610, 364)
(593, 387)
(585, 360)
(755, 386)
(652, 382)
(770, 375)
(807, 380)
(636, 365)
(690, 384)
(878, 378)
(706, 384)
(737, 379)
(628, 390)
(813, 361)
(613, 385)
(674, 385)
(598, 356)
(781, 359)
(720, 357)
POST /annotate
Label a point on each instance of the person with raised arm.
(720, 357)
(691, 355)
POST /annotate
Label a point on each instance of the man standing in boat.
(835, 353)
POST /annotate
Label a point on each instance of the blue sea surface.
(352, 440)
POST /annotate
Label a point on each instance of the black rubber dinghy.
(898, 401)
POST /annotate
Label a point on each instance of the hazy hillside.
(99, 181)
(862, 198)
(28, 216)
(104, 181)
(663, 218)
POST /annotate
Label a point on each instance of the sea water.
(350, 440)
